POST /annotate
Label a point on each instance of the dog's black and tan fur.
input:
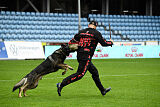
(51, 64)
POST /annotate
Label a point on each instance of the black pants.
(84, 65)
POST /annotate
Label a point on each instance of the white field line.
(115, 75)
(100, 76)
(28, 64)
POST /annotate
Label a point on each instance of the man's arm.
(103, 42)
(74, 40)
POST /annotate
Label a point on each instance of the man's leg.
(82, 68)
(95, 76)
(93, 70)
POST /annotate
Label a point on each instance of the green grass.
(134, 82)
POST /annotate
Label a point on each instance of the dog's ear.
(64, 44)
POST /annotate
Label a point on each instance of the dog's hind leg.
(21, 89)
(24, 92)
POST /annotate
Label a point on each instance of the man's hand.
(111, 40)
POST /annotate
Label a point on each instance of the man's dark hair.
(93, 22)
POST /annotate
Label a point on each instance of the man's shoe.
(105, 91)
(59, 89)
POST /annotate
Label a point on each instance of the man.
(87, 40)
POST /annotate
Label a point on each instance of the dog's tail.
(19, 84)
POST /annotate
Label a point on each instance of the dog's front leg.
(64, 66)
(66, 69)
(60, 66)
(20, 91)
(69, 67)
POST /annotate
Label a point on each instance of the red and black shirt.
(88, 39)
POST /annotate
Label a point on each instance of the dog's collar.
(60, 50)
(51, 59)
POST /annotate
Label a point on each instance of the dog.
(53, 63)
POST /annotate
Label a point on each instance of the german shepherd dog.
(53, 63)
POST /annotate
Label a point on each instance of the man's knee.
(95, 75)
(80, 75)
(94, 72)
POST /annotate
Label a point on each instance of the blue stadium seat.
(42, 14)
(74, 15)
(4, 13)
(18, 13)
(102, 16)
(94, 15)
(12, 13)
(37, 14)
(23, 13)
(35, 25)
(60, 15)
(46, 14)
(28, 13)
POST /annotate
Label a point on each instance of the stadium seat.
(28, 13)
(46, 14)
(4, 12)
(37, 25)
(32, 13)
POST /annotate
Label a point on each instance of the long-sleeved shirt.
(88, 39)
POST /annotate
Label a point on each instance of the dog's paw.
(70, 67)
(25, 95)
(63, 72)
(20, 96)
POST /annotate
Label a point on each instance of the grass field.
(134, 82)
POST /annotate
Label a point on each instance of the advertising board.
(3, 52)
(116, 52)
(24, 50)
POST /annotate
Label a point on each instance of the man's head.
(93, 24)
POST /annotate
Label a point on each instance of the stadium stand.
(131, 28)
(61, 27)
